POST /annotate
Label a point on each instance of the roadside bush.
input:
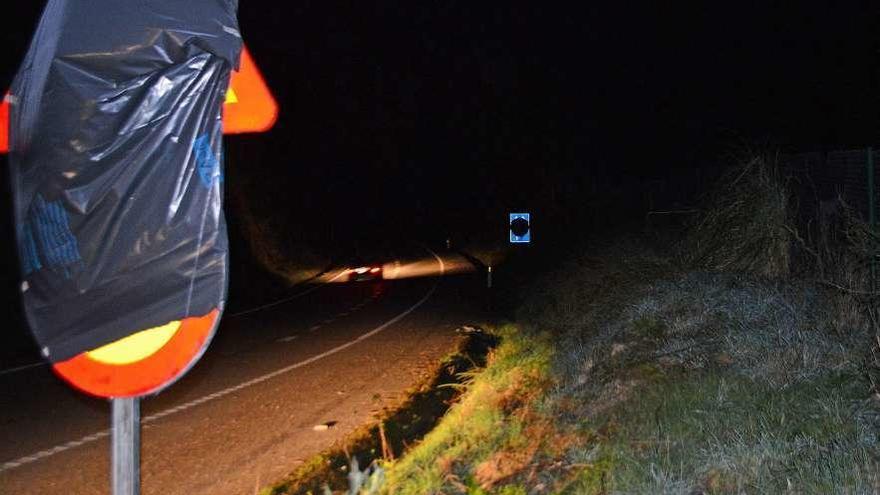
(708, 382)
(700, 320)
(744, 224)
(842, 258)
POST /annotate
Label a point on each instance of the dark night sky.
(417, 112)
(457, 101)
(606, 77)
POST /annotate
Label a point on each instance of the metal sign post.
(126, 440)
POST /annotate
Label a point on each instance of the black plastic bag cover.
(115, 156)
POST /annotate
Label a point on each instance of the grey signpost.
(126, 441)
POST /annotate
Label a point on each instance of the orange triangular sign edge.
(4, 124)
(253, 108)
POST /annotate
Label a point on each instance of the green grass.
(495, 433)
(704, 382)
(727, 434)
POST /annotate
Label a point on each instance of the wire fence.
(821, 180)
(822, 177)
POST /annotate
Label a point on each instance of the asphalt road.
(333, 353)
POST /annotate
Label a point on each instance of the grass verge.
(498, 437)
(630, 374)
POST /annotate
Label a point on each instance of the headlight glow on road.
(400, 269)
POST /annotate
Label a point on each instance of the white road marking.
(6, 466)
(314, 328)
(54, 450)
(22, 368)
(287, 339)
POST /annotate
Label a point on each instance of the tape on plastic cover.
(206, 162)
(47, 238)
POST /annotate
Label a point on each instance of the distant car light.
(362, 271)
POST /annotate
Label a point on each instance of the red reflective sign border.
(149, 375)
(4, 125)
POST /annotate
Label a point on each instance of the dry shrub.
(846, 259)
(744, 223)
(541, 446)
(501, 466)
(841, 259)
(525, 387)
(854, 306)
(445, 463)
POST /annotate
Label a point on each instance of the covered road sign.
(115, 139)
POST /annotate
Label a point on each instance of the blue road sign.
(520, 228)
